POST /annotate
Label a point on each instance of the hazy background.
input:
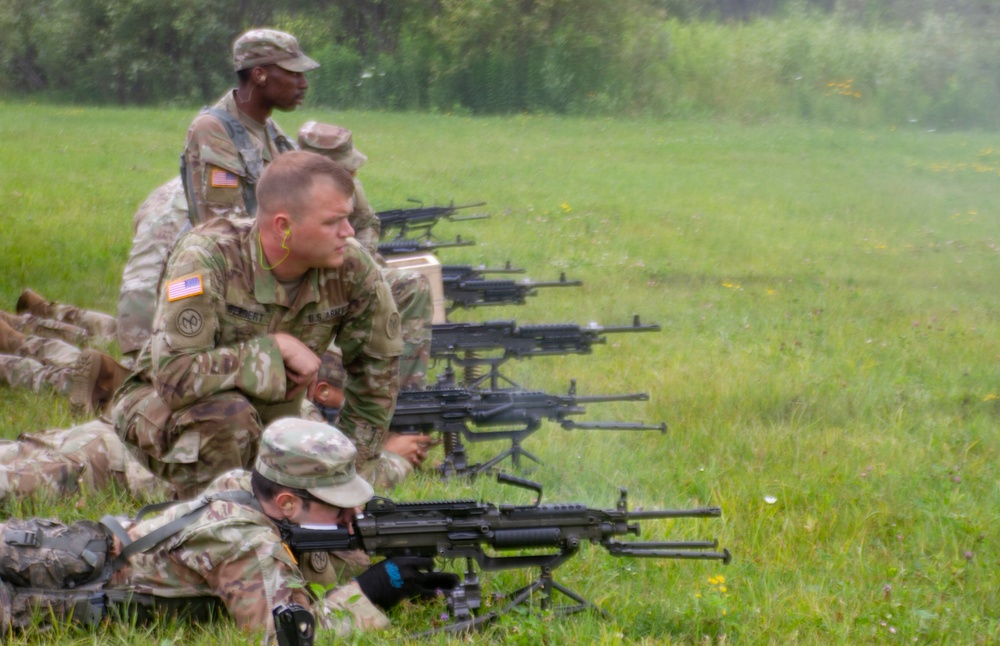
(933, 63)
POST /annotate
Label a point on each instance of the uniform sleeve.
(367, 228)
(214, 172)
(158, 222)
(370, 340)
(252, 582)
(187, 361)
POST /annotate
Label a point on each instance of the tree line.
(469, 56)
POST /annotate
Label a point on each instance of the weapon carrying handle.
(506, 478)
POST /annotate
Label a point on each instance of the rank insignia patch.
(183, 288)
(223, 179)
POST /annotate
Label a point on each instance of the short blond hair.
(286, 184)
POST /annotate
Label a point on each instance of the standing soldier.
(229, 144)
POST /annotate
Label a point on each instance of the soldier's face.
(319, 513)
(284, 90)
(319, 237)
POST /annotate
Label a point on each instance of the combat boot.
(34, 303)
(96, 377)
(10, 339)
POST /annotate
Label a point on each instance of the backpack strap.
(250, 159)
(281, 142)
(162, 533)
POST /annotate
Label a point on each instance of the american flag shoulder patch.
(184, 287)
(219, 178)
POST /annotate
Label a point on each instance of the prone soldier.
(88, 377)
(221, 552)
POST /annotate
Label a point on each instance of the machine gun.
(458, 273)
(401, 246)
(423, 218)
(464, 344)
(461, 529)
(477, 293)
(463, 413)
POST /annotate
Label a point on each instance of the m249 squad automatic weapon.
(458, 273)
(488, 415)
(477, 292)
(423, 218)
(402, 246)
(492, 343)
(465, 529)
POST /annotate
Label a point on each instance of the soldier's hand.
(403, 577)
(301, 364)
(413, 448)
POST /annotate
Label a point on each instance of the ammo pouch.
(48, 568)
(41, 553)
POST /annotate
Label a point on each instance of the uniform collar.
(266, 288)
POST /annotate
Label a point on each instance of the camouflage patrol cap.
(314, 456)
(270, 47)
(333, 142)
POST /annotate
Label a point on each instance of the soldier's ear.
(288, 503)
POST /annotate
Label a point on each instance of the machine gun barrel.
(522, 341)
(476, 293)
(456, 273)
(404, 245)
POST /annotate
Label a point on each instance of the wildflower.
(565, 207)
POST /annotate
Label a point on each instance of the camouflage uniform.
(158, 222)
(98, 325)
(33, 325)
(212, 374)
(410, 289)
(79, 459)
(216, 168)
(218, 173)
(216, 176)
(40, 364)
(232, 551)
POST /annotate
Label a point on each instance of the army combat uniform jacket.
(217, 307)
(218, 171)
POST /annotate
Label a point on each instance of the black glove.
(389, 582)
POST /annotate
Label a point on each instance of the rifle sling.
(160, 534)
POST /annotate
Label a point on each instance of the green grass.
(830, 342)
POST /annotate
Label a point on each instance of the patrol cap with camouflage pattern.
(333, 142)
(314, 456)
(270, 47)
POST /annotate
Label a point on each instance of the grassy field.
(829, 363)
